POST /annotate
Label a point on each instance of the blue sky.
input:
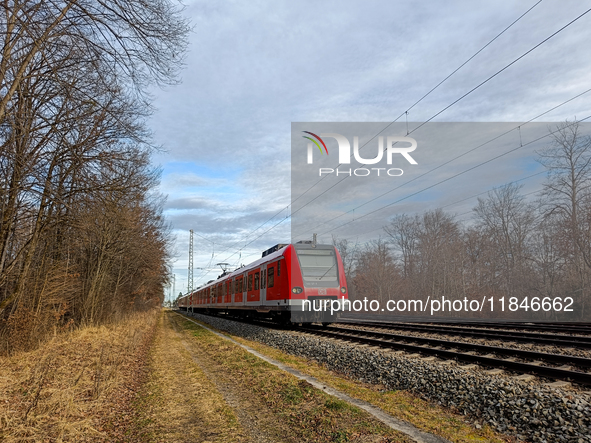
(255, 67)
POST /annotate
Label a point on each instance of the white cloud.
(255, 67)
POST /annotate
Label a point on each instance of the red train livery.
(291, 282)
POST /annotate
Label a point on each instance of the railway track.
(580, 341)
(576, 328)
(571, 369)
(533, 363)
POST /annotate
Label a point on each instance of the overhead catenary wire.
(494, 188)
(491, 190)
(447, 179)
(449, 161)
(432, 117)
(454, 102)
(405, 113)
(245, 237)
(255, 239)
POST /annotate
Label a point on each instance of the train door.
(277, 281)
(226, 286)
(244, 288)
(219, 293)
(263, 283)
(272, 291)
(254, 287)
(238, 291)
(249, 286)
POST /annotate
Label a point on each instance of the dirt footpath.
(190, 396)
(180, 402)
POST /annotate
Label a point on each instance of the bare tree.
(80, 235)
(404, 233)
(376, 276)
(141, 41)
(508, 221)
(567, 189)
(566, 198)
(440, 254)
(348, 252)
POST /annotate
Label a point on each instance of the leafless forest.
(82, 238)
(512, 246)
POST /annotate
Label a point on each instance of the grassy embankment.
(400, 404)
(79, 386)
(157, 377)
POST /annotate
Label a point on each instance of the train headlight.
(297, 290)
(344, 290)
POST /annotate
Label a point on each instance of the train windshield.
(318, 265)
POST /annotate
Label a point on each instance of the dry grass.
(305, 413)
(78, 386)
(179, 403)
(400, 404)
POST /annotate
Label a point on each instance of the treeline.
(512, 246)
(82, 238)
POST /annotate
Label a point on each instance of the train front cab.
(317, 282)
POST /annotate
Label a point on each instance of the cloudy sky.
(255, 67)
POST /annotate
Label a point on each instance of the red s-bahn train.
(290, 283)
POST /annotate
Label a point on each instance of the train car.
(290, 283)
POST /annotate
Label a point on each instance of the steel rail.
(522, 337)
(527, 368)
(575, 328)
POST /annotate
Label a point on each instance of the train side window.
(271, 277)
(278, 268)
(263, 281)
(250, 282)
(256, 281)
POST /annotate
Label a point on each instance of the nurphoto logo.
(394, 145)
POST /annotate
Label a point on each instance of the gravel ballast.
(527, 410)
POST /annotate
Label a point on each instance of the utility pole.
(190, 274)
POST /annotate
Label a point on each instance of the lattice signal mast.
(190, 274)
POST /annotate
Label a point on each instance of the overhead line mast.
(190, 274)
